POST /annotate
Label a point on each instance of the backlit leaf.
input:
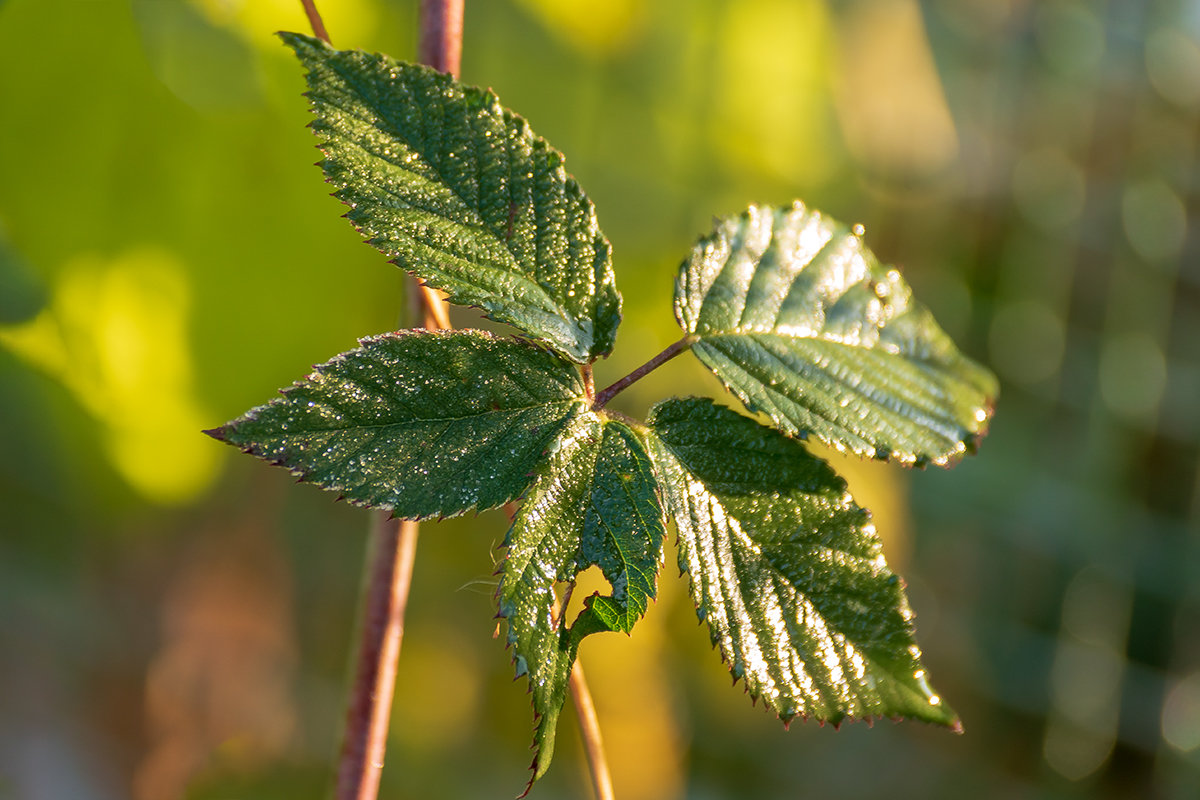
(787, 571)
(593, 504)
(424, 424)
(459, 191)
(797, 317)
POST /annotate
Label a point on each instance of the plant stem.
(393, 548)
(440, 45)
(391, 551)
(642, 371)
(589, 727)
(589, 382)
(314, 20)
(585, 713)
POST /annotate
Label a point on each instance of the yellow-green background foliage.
(175, 621)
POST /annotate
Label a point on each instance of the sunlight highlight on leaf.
(797, 317)
(787, 570)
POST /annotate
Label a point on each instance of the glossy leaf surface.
(787, 571)
(797, 317)
(593, 504)
(459, 191)
(424, 424)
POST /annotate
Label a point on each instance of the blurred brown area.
(175, 619)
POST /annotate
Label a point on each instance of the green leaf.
(797, 317)
(594, 503)
(459, 191)
(787, 570)
(424, 424)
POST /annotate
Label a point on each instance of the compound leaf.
(594, 503)
(797, 317)
(424, 424)
(459, 191)
(787, 571)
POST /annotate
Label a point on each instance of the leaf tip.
(299, 42)
(219, 433)
(533, 777)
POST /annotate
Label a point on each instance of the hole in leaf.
(588, 582)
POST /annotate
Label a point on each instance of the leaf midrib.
(937, 414)
(627, 564)
(931, 365)
(419, 420)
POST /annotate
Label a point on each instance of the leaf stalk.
(589, 382)
(589, 727)
(642, 371)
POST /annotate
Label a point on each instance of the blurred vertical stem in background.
(392, 545)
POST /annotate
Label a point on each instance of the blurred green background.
(175, 619)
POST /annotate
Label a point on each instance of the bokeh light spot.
(889, 96)
(115, 335)
(1181, 714)
(1026, 341)
(1133, 374)
(1070, 36)
(598, 28)
(1173, 66)
(1049, 188)
(1154, 219)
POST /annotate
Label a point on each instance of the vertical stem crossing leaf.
(787, 571)
(594, 503)
(424, 424)
(801, 322)
(459, 191)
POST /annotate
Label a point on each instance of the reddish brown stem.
(392, 550)
(440, 45)
(642, 371)
(314, 20)
(589, 727)
(589, 382)
(392, 545)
